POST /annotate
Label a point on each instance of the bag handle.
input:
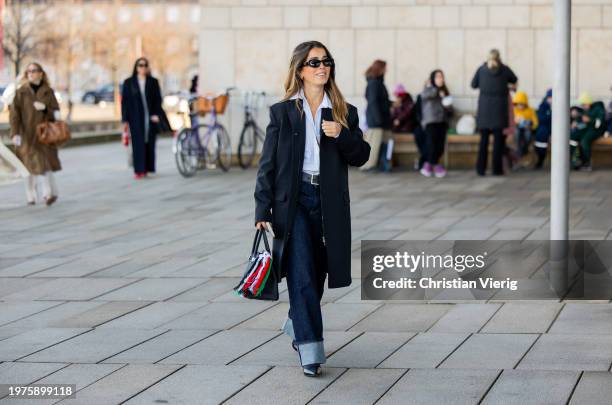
(258, 236)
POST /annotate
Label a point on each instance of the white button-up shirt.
(313, 133)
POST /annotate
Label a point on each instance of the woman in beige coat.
(33, 104)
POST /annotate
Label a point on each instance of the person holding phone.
(302, 192)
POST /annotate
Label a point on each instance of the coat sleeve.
(264, 187)
(476, 80)
(52, 107)
(15, 115)
(351, 145)
(373, 99)
(124, 97)
(511, 76)
(157, 99)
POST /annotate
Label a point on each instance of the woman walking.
(302, 192)
(33, 104)
(437, 109)
(141, 111)
(493, 79)
(378, 111)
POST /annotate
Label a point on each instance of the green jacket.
(597, 114)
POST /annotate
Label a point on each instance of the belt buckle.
(312, 177)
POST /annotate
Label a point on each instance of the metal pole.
(559, 176)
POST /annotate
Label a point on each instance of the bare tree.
(21, 40)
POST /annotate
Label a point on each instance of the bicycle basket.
(205, 105)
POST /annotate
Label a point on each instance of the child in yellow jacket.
(526, 121)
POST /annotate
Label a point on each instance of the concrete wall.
(247, 43)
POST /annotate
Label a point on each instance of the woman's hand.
(39, 106)
(331, 128)
(155, 119)
(265, 226)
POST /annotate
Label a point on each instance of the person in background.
(436, 111)
(420, 137)
(142, 113)
(586, 128)
(544, 130)
(193, 88)
(526, 121)
(493, 78)
(378, 111)
(609, 117)
(33, 104)
(402, 112)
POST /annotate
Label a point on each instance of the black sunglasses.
(315, 63)
(34, 71)
(142, 65)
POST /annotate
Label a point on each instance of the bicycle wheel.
(247, 146)
(186, 154)
(224, 150)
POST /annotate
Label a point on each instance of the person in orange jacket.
(526, 121)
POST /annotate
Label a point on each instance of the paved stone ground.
(123, 288)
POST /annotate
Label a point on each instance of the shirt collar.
(326, 103)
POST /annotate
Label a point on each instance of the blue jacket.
(545, 120)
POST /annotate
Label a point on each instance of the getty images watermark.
(484, 270)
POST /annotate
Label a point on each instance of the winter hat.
(549, 93)
(520, 98)
(585, 98)
(399, 90)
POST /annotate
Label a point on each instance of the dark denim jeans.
(306, 277)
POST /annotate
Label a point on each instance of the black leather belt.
(310, 178)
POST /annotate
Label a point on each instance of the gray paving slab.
(219, 315)
(569, 352)
(79, 267)
(69, 289)
(517, 317)
(122, 384)
(465, 318)
(270, 319)
(160, 347)
(584, 319)
(490, 351)
(93, 346)
(153, 316)
(31, 341)
(209, 384)
(221, 348)
(338, 316)
(210, 290)
(402, 318)
(12, 311)
(532, 387)
(286, 385)
(10, 285)
(80, 375)
(368, 350)
(440, 387)
(26, 373)
(278, 351)
(165, 268)
(125, 268)
(594, 388)
(425, 350)
(151, 289)
(31, 266)
(358, 386)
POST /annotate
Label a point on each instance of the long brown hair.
(24, 76)
(376, 69)
(294, 83)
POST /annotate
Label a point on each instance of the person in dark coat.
(302, 192)
(420, 137)
(378, 111)
(544, 130)
(493, 79)
(141, 111)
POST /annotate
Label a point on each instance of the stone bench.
(461, 151)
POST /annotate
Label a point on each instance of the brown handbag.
(53, 133)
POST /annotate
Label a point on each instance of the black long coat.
(279, 178)
(493, 98)
(132, 112)
(378, 110)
